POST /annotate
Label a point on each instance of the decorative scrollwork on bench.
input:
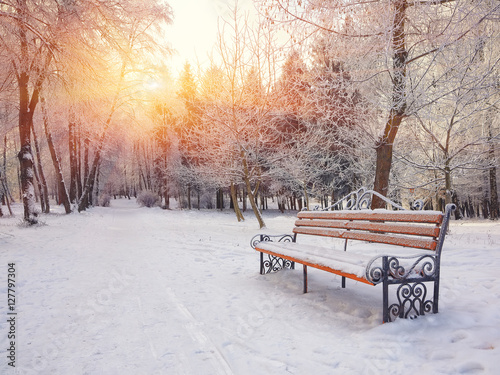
(362, 199)
(272, 238)
(412, 301)
(272, 263)
(399, 269)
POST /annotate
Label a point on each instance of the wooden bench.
(409, 256)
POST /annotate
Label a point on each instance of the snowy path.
(129, 290)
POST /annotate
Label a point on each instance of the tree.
(234, 120)
(63, 196)
(31, 53)
(392, 43)
(291, 88)
(454, 113)
(132, 40)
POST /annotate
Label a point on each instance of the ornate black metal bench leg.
(305, 278)
(412, 299)
(435, 303)
(385, 290)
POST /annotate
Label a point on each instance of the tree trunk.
(494, 212)
(6, 196)
(44, 192)
(219, 197)
(25, 118)
(86, 167)
(306, 197)
(251, 193)
(26, 174)
(385, 144)
(62, 192)
(234, 200)
(25, 155)
(448, 183)
(27, 106)
(3, 180)
(253, 203)
(96, 185)
(72, 157)
(2, 194)
(244, 208)
(86, 198)
(166, 197)
(78, 143)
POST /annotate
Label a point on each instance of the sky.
(194, 30)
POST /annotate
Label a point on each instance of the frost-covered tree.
(390, 47)
(232, 132)
(42, 39)
(453, 128)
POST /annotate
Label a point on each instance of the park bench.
(399, 247)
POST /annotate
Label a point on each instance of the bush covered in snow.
(105, 200)
(148, 198)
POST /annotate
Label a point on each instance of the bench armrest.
(422, 267)
(272, 238)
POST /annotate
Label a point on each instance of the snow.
(354, 264)
(130, 290)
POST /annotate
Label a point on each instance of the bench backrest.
(417, 229)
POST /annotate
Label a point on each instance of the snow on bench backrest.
(417, 229)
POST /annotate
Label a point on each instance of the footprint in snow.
(470, 368)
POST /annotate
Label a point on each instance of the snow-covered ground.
(130, 290)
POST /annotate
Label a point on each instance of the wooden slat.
(418, 230)
(427, 244)
(397, 216)
(324, 268)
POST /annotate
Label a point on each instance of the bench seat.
(354, 266)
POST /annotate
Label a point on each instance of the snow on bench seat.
(348, 264)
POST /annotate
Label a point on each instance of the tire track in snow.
(196, 332)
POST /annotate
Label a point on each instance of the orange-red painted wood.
(419, 230)
(397, 216)
(428, 244)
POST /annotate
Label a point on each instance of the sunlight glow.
(193, 33)
(152, 85)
